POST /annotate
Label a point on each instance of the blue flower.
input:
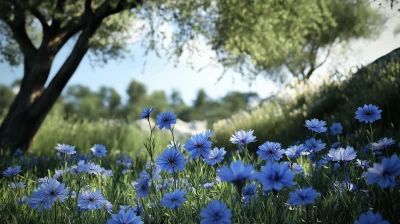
(166, 119)
(90, 168)
(242, 138)
(153, 168)
(47, 194)
(171, 160)
(19, 185)
(270, 151)
(371, 218)
(91, 200)
(295, 151)
(66, 149)
(39, 203)
(364, 164)
(99, 150)
(146, 112)
(10, 171)
(125, 217)
(249, 192)
(108, 207)
(297, 168)
(207, 133)
(368, 114)
(176, 145)
(142, 187)
(382, 143)
(344, 186)
(18, 152)
(139, 211)
(316, 125)
(237, 173)
(336, 129)
(275, 176)
(198, 145)
(303, 196)
(208, 185)
(216, 212)
(216, 155)
(174, 199)
(384, 173)
(342, 155)
(58, 174)
(313, 145)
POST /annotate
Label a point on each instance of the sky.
(160, 74)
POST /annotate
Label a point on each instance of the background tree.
(263, 35)
(110, 98)
(201, 99)
(277, 37)
(176, 98)
(135, 91)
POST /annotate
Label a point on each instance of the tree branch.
(41, 18)
(66, 71)
(17, 27)
(106, 9)
(88, 25)
(60, 8)
(89, 7)
(326, 57)
(315, 67)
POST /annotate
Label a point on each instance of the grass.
(330, 206)
(281, 121)
(282, 118)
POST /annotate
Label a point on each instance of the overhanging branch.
(41, 18)
(19, 33)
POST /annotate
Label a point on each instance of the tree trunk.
(34, 102)
(17, 131)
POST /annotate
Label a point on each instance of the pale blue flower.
(342, 155)
(384, 173)
(65, 149)
(99, 150)
(316, 125)
(216, 156)
(91, 200)
(242, 138)
(295, 151)
(313, 145)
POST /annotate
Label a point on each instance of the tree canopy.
(253, 37)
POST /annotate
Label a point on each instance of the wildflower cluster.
(201, 183)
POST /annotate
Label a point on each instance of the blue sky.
(161, 74)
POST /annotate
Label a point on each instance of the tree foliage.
(253, 37)
(276, 37)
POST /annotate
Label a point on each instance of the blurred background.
(220, 65)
